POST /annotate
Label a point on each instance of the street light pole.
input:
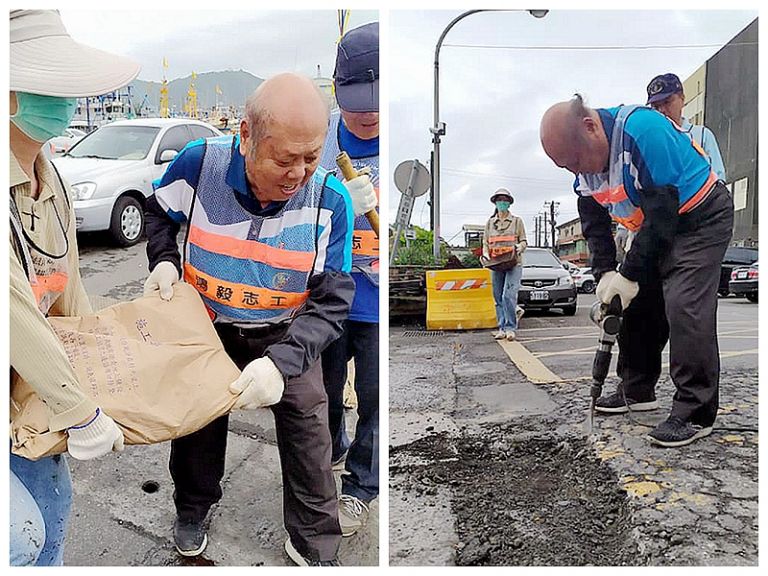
(438, 129)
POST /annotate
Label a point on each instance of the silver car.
(111, 171)
(545, 283)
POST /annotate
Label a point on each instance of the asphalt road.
(123, 511)
(467, 488)
(566, 345)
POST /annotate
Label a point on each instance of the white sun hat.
(46, 60)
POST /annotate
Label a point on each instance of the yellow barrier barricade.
(460, 299)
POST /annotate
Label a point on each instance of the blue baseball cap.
(357, 69)
(662, 87)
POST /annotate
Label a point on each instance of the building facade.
(728, 88)
(571, 245)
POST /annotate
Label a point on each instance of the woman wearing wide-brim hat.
(503, 244)
(48, 72)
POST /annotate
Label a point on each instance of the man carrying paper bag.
(268, 248)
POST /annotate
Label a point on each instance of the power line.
(502, 176)
(570, 48)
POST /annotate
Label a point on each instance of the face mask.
(43, 117)
(502, 205)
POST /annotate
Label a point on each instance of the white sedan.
(111, 171)
(585, 280)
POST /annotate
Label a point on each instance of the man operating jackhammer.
(633, 165)
(269, 250)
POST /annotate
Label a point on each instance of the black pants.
(680, 305)
(310, 508)
(359, 340)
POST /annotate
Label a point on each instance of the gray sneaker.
(353, 513)
(340, 463)
(675, 432)
(189, 537)
(300, 560)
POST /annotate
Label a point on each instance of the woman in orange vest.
(503, 243)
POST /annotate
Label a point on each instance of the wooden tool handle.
(349, 172)
(345, 164)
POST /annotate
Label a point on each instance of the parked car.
(734, 257)
(61, 144)
(585, 280)
(744, 282)
(111, 171)
(545, 283)
(572, 268)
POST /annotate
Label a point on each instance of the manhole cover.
(422, 333)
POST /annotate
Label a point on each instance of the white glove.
(362, 193)
(619, 285)
(162, 278)
(520, 247)
(260, 385)
(602, 286)
(97, 437)
(630, 237)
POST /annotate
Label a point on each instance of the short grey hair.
(257, 115)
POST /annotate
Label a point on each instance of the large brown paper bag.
(157, 368)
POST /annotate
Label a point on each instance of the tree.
(418, 251)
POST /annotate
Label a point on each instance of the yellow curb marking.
(731, 438)
(642, 488)
(531, 367)
(610, 453)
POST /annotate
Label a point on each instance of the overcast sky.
(492, 98)
(261, 42)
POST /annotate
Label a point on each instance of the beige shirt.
(37, 355)
(504, 227)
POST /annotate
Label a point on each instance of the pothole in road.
(530, 500)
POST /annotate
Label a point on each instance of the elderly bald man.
(268, 247)
(634, 166)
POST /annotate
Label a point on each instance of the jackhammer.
(608, 318)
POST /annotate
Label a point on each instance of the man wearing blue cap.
(665, 94)
(354, 129)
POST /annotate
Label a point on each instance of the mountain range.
(234, 86)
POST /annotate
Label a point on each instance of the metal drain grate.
(423, 333)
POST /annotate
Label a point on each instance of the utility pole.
(552, 209)
(536, 228)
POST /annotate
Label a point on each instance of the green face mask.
(502, 205)
(43, 117)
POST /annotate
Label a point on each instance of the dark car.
(744, 282)
(734, 257)
(546, 283)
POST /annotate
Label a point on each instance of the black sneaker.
(674, 432)
(189, 537)
(300, 560)
(617, 403)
